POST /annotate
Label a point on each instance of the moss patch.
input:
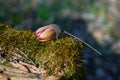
(61, 57)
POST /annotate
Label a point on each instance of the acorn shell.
(46, 33)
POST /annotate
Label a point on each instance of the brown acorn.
(47, 33)
(51, 31)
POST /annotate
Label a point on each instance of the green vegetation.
(61, 57)
(44, 11)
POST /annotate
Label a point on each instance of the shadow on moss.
(61, 57)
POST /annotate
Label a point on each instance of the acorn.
(47, 33)
(52, 31)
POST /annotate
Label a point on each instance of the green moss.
(61, 57)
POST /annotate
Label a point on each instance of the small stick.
(86, 44)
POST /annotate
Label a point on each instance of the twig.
(87, 45)
(28, 59)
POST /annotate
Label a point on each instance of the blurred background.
(94, 21)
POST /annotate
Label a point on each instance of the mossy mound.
(61, 57)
